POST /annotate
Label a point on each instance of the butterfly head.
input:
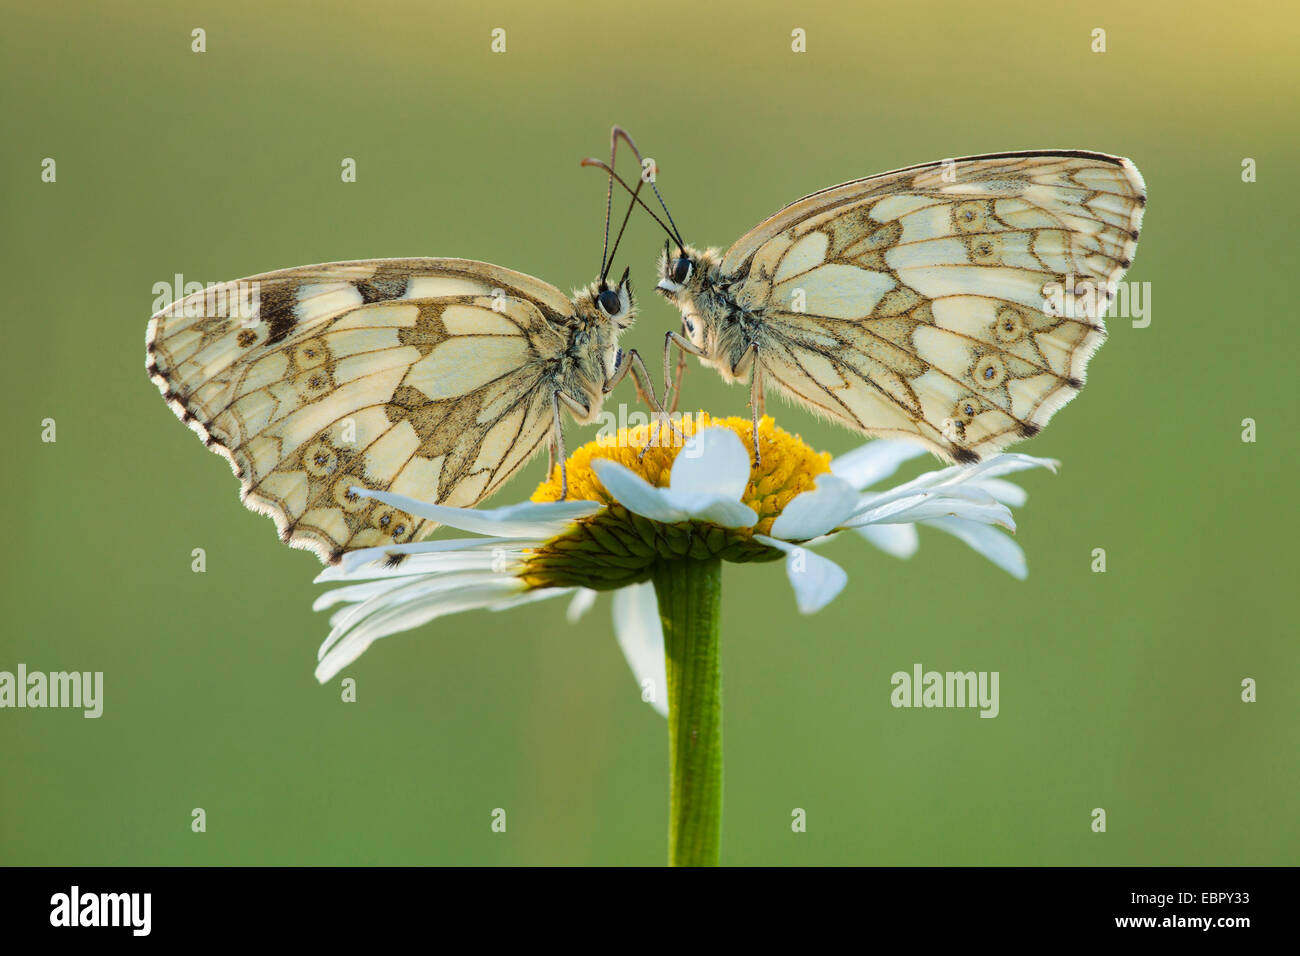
(684, 273)
(607, 303)
(603, 310)
(679, 270)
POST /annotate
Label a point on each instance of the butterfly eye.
(609, 302)
(681, 270)
(690, 326)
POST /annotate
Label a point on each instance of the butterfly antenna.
(619, 238)
(604, 249)
(615, 178)
(618, 133)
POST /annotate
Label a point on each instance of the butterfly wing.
(913, 303)
(417, 376)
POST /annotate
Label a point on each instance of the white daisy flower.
(878, 460)
(631, 511)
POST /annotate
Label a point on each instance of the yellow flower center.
(615, 548)
(788, 468)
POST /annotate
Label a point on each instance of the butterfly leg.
(684, 345)
(582, 412)
(631, 361)
(677, 380)
(556, 447)
(662, 416)
(748, 364)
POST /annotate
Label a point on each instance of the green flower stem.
(689, 594)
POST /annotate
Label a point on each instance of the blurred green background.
(1118, 690)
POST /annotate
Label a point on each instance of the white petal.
(816, 580)
(409, 591)
(816, 512)
(353, 593)
(375, 558)
(1006, 464)
(1003, 464)
(499, 559)
(531, 519)
(971, 505)
(724, 512)
(999, 548)
(1004, 491)
(900, 540)
(381, 618)
(888, 502)
(528, 597)
(875, 461)
(635, 493)
(713, 462)
(671, 505)
(641, 636)
(952, 478)
(583, 599)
